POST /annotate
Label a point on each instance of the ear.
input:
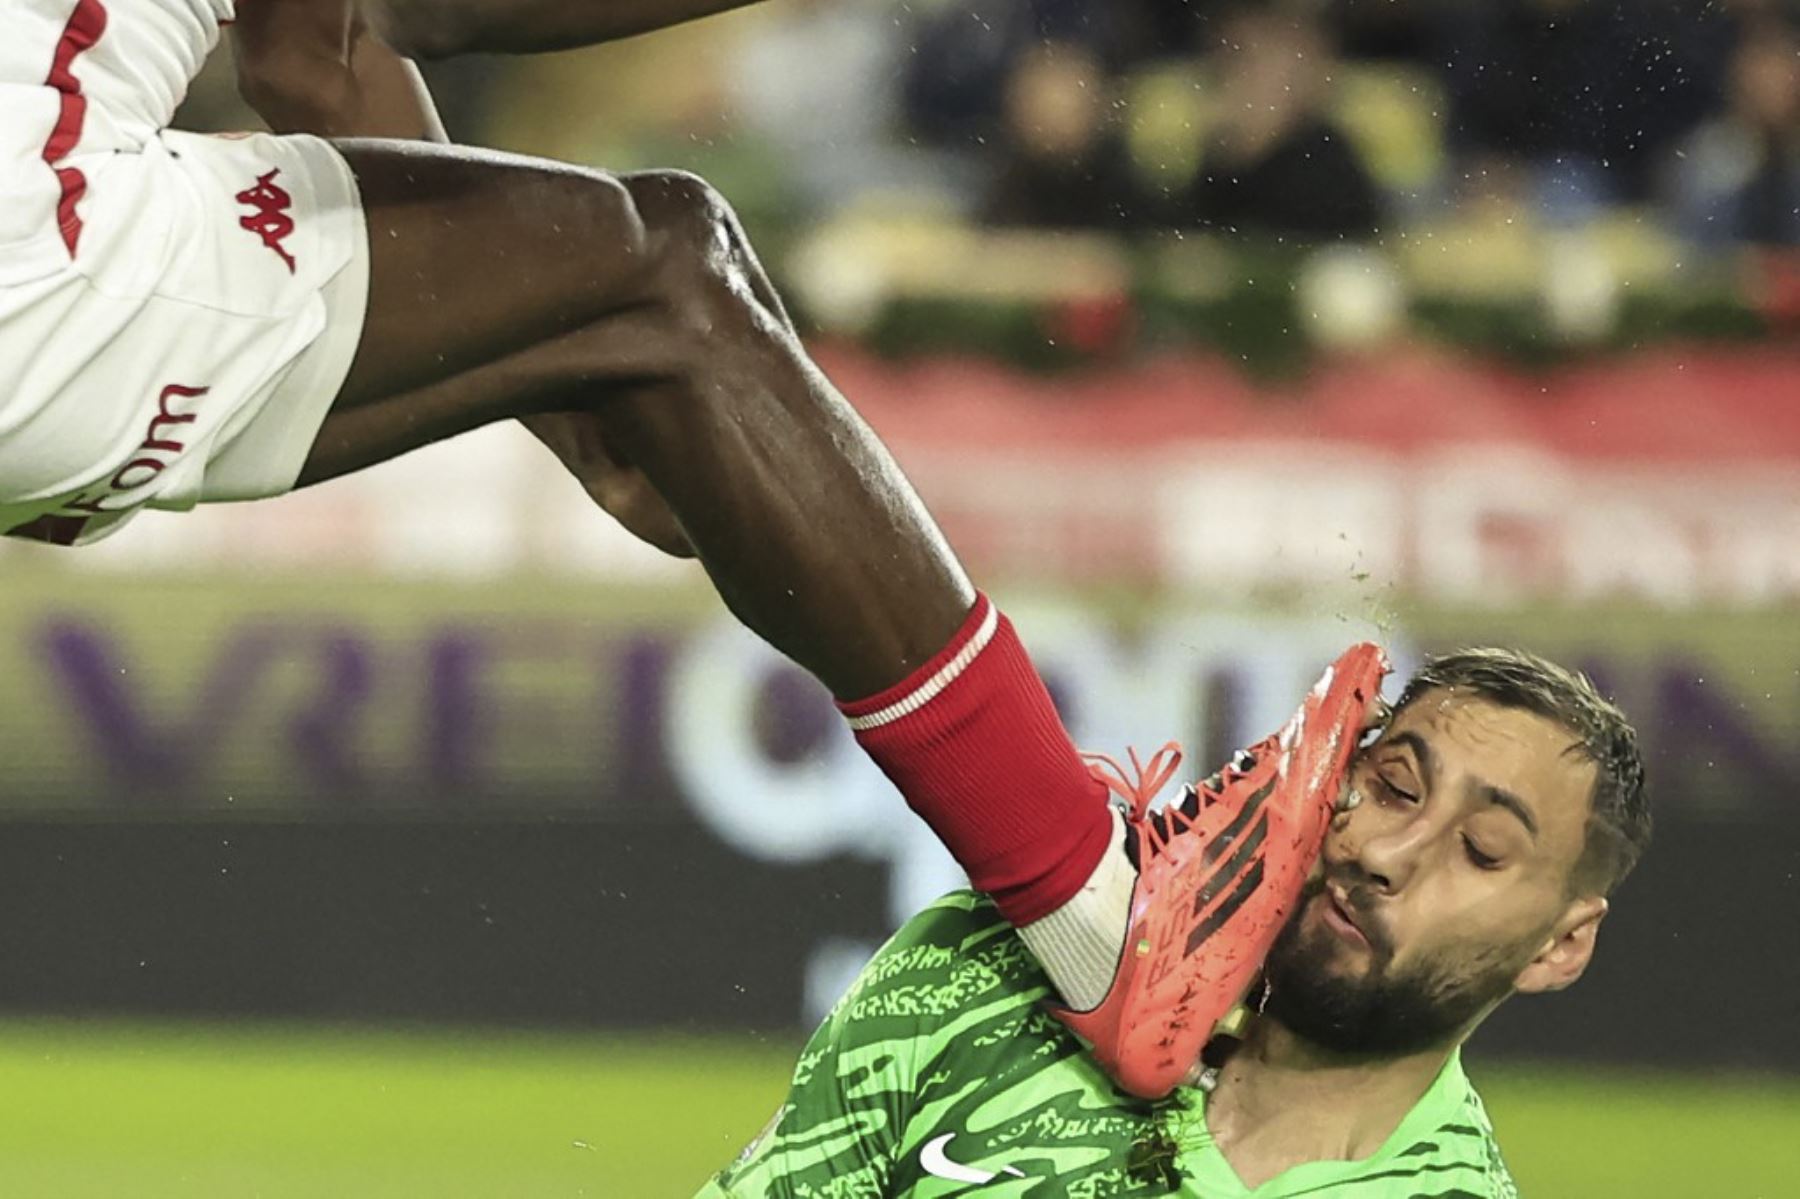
(1568, 949)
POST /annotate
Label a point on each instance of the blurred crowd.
(1301, 120)
(1306, 119)
(1341, 117)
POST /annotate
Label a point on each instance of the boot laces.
(1147, 780)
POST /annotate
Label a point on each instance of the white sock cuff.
(1079, 944)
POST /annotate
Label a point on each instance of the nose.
(1385, 848)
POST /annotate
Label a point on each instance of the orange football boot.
(1219, 873)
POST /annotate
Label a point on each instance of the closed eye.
(1482, 860)
(1395, 793)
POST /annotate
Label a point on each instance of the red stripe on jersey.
(85, 26)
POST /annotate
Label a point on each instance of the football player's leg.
(692, 369)
(638, 298)
(816, 540)
(658, 335)
(504, 289)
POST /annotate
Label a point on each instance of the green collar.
(1212, 1176)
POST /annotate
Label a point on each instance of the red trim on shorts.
(85, 26)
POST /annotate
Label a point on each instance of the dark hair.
(1618, 826)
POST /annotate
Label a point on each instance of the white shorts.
(192, 344)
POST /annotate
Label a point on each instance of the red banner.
(1665, 476)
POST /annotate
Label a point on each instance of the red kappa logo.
(270, 221)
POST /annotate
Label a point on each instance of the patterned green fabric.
(940, 1074)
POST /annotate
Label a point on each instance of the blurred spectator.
(965, 54)
(1062, 162)
(817, 82)
(1274, 161)
(1584, 92)
(1738, 177)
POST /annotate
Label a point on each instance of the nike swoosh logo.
(935, 1158)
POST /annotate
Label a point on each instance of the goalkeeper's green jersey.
(940, 1074)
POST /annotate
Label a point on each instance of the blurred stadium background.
(422, 835)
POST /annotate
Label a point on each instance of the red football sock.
(974, 743)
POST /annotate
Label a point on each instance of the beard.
(1319, 993)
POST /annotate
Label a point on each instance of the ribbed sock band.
(974, 743)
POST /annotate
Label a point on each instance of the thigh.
(475, 256)
(503, 286)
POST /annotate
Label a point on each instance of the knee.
(682, 207)
(696, 243)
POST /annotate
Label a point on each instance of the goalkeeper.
(1482, 832)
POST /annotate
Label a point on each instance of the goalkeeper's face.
(1446, 888)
